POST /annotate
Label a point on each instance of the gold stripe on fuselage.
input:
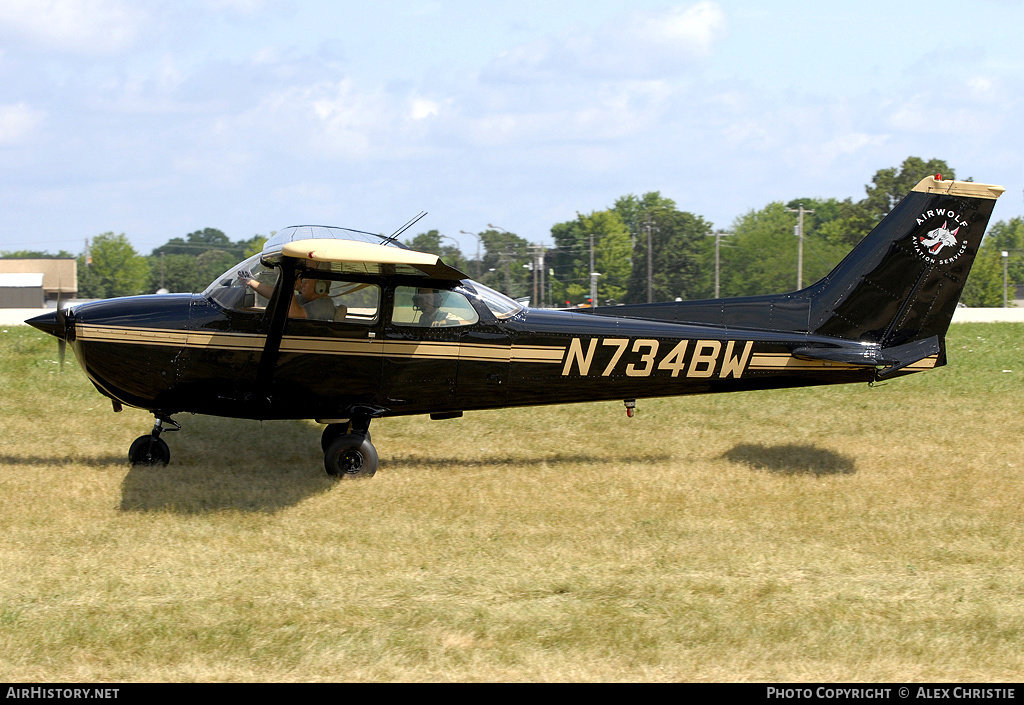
(433, 350)
(786, 361)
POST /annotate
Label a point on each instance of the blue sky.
(159, 118)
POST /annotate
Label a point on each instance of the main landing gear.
(348, 451)
(152, 449)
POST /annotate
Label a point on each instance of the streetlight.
(478, 241)
(507, 256)
(1006, 257)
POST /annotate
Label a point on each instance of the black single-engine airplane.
(343, 327)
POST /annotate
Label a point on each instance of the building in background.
(58, 280)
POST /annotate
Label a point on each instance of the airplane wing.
(371, 258)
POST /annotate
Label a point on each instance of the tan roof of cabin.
(370, 257)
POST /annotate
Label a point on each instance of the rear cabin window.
(421, 307)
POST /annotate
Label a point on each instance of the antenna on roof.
(405, 227)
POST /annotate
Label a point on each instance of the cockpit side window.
(424, 307)
(354, 302)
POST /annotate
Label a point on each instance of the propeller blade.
(62, 339)
(62, 321)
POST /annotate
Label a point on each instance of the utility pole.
(718, 235)
(593, 275)
(650, 263)
(799, 231)
(543, 271)
(536, 268)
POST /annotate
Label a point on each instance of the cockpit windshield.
(229, 289)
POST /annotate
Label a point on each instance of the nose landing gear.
(151, 449)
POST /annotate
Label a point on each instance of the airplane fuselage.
(179, 353)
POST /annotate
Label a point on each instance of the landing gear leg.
(334, 431)
(151, 449)
(347, 448)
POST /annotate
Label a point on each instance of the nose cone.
(50, 322)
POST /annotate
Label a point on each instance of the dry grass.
(845, 534)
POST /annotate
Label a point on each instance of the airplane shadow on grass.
(791, 459)
(231, 464)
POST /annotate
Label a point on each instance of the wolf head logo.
(938, 238)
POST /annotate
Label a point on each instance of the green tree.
(984, 287)
(1008, 236)
(254, 245)
(506, 262)
(678, 250)
(211, 264)
(570, 259)
(889, 186)
(35, 254)
(113, 269)
(175, 273)
(763, 255)
(431, 241)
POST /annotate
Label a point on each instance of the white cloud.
(422, 108)
(638, 45)
(930, 113)
(18, 121)
(326, 120)
(77, 26)
(693, 29)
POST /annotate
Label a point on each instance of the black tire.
(350, 455)
(149, 451)
(334, 431)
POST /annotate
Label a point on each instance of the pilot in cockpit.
(311, 298)
(429, 303)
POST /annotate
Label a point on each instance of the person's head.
(312, 288)
(426, 300)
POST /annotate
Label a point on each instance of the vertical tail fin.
(902, 283)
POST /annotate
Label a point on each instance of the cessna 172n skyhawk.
(343, 327)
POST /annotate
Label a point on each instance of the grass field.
(833, 534)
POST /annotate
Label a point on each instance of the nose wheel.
(151, 449)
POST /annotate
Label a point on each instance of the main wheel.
(148, 450)
(332, 432)
(351, 455)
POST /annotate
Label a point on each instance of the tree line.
(642, 248)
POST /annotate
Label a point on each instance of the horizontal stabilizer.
(891, 359)
(868, 356)
(900, 356)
